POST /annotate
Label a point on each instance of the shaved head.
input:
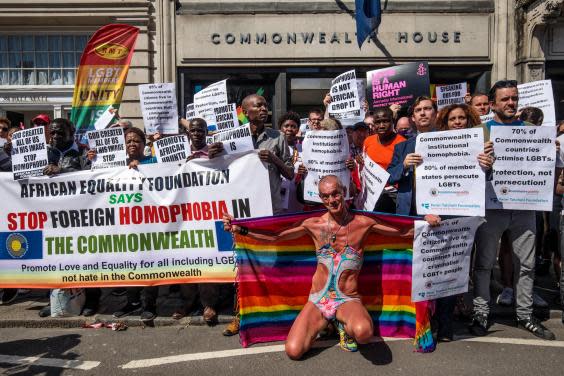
(249, 99)
(331, 180)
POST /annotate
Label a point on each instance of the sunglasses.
(4, 129)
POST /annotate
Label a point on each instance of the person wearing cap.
(380, 148)
(42, 120)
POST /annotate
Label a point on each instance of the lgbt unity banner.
(101, 75)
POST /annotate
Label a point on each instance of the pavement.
(61, 346)
(23, 312)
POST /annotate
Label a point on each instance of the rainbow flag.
(274, 280)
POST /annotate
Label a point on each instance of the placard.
(172, 149)
(441, 258)
(523, 172)
(348, 119)
(539, 94)
(450, 180)
(400, 84)
(105, 119)
(110, 147)
(225, 118)
(324, 153)
(450, 94)
(209, 98)
(158, 104)
(374, 179)
(237, 140)
(344, 94)
(29, 153)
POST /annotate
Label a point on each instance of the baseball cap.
(42, 117)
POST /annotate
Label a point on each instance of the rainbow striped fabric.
(274, 280)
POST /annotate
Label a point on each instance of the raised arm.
(288, 234)
(383, 229)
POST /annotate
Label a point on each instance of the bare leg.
(307, 325)
(356, 320)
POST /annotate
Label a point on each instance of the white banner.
(110, 147)
(172, 149)
(238, 140)
(523, 172)
(344, 94)
(441, 258)
(450, 181)
(161, 224)
(374, 179)
(158, 104)
(29, 153)
(209, 98)
(450, 94)
(539, 94)
(324, 153)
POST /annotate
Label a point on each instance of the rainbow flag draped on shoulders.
(274, 281)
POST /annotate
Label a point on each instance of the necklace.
(333, 236)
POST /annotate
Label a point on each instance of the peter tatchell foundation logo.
(504, 190)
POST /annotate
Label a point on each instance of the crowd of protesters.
(523, 243)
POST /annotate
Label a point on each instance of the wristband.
(243, 230)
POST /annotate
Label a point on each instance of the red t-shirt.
(381, 154)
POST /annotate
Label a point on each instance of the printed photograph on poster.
(29, 153)
(450, 180)
(324, 153)
(158, 105)
(172, 149)
(523, 171)
(441, 257)
(399, 84)
(110, 148)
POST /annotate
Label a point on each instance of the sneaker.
(479, 325)
(148, 314)
(506, 297)
(232, 327)
(89, 311)
(534, 326)
(45, 311)
(538, 301)
(129, 309)
(9, 295)
(346, 342)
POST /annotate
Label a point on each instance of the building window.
(47, 59)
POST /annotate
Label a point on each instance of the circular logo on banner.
(16, 244)
(504, 190)
(429, 284)
(112, 51)
(434, 192)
